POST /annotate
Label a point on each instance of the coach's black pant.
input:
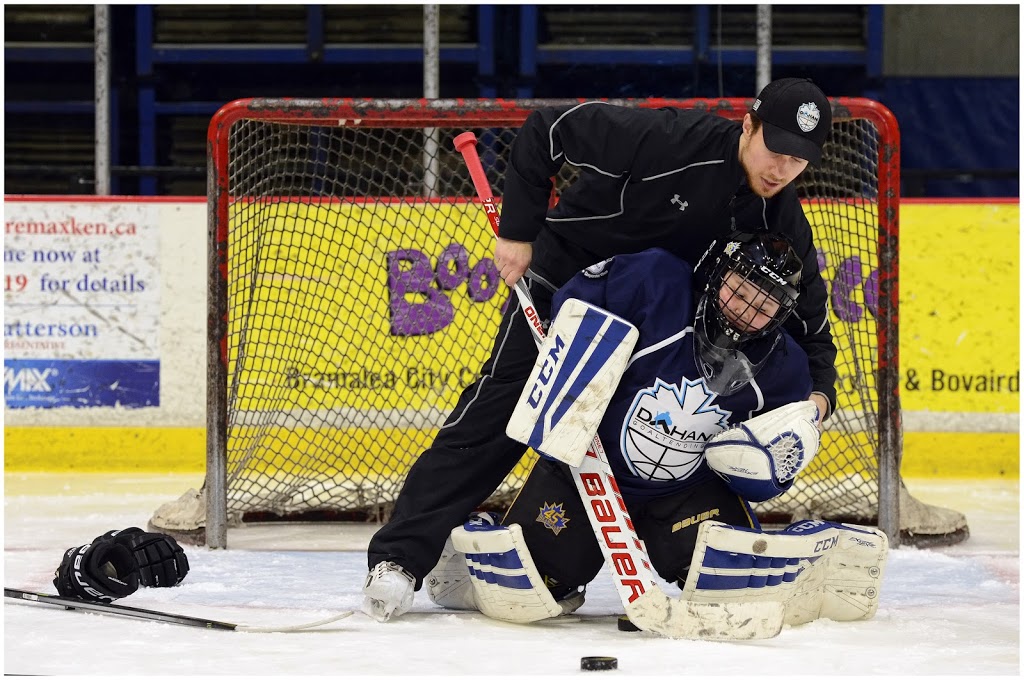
(562, 543)
(470, 456)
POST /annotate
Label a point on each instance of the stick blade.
(294, 628)
(726, 621)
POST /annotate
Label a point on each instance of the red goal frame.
(483, 113)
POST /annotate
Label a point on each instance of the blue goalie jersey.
(662, 412)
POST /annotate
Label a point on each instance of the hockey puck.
(598, 663)
(626, 625)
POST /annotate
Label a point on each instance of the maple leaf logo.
(666, 428)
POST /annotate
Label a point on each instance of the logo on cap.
(807, 116)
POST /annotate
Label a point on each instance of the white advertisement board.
(81, 304)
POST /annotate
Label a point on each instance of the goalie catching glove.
(760, 458)
(115, 564)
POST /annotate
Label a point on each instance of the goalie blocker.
(578, 367)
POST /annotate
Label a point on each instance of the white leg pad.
(854, 577)
(448, 584)
(506, 584)
(816, 569)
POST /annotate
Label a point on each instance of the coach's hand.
(512, 259)
(821, 401)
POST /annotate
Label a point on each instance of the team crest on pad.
(552, 516)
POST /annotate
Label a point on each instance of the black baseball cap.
(796, 117)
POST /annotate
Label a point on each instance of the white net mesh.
(361, 299)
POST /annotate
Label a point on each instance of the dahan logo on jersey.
(666, 428)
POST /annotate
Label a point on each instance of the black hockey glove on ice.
(101, 571)
(161, 561)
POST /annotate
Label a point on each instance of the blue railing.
(511, 72)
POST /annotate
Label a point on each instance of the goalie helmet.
(749, 284)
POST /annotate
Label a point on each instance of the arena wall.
(80, 287)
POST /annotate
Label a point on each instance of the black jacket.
(664, 178)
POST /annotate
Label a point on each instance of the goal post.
(352, 297)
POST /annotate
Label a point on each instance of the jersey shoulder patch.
(596, 271)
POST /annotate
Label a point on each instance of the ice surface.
(949, 611)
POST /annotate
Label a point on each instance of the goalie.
(707, 411)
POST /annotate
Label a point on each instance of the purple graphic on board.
(419, 292)
(420, 303)
(848, 277)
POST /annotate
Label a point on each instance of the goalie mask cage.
(352, 298)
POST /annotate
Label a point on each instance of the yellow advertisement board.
(960, 307)
(360, 305)
(394, 312)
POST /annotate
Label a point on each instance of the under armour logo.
(682, 204)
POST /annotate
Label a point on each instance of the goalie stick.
(164, 617)
(647, 606)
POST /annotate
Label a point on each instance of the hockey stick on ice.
(164, 617)
(647, 606)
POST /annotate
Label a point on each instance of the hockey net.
(353, 297)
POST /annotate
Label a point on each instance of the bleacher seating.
(174, 65)
(49, 129)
